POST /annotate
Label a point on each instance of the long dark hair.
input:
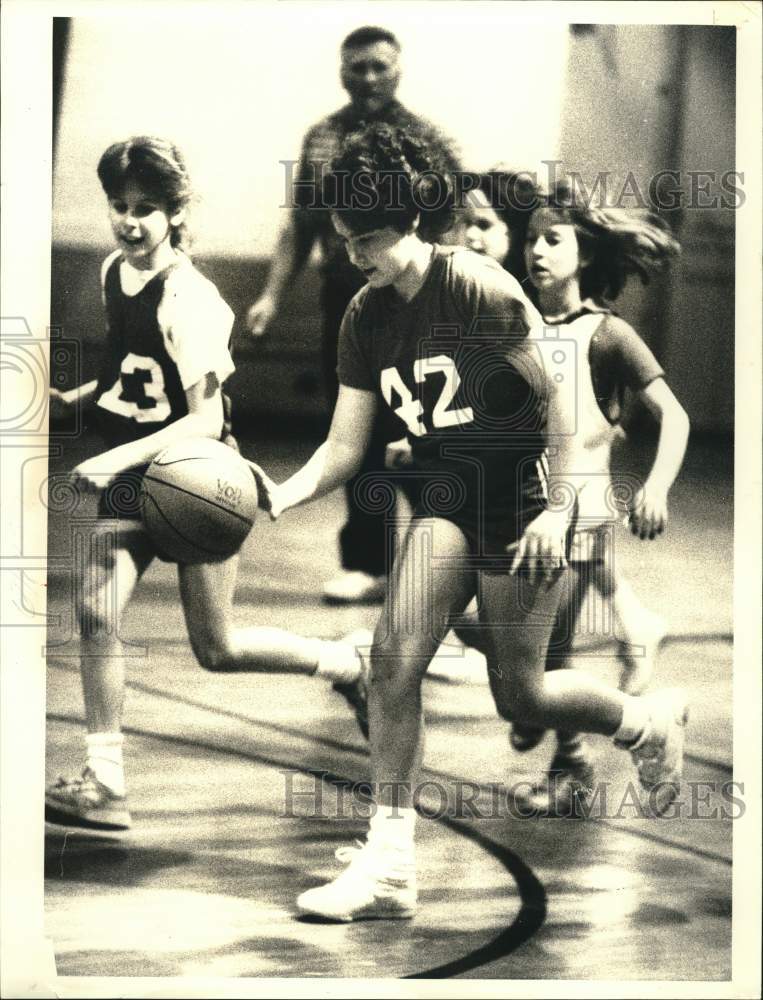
(614, 242)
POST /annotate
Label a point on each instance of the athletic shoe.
(355, 587)
(356, 694)
(86, 802)
(637, 670)
(368, 889)
(658, 754)
(524, 738)
(569, 782)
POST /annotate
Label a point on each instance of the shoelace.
(348, 855)
(360, 858)
(64, 782)
(87, 778)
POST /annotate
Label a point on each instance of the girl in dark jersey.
(449, 342)
(166, 358)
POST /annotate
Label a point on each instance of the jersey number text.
(411, 411)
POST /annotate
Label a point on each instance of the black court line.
(528, 921)
(332, 744)
(532, 895)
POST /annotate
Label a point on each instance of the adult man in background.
(370, 73)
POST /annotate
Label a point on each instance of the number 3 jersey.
(165, 331)
(453, 363)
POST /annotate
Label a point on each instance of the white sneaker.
(374, 886)
(659, 754)
(355, 587)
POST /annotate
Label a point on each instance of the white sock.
(392, 830)
(337, 661)
(104, 758)
(635, 723)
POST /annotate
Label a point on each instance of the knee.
(529, 703)
(517, 700)
(213, 653)
(395, 675)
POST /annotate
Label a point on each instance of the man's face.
(370, 75)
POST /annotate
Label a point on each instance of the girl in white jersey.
(494, 221)
(578, 257)
(450, 343)
(166, 359)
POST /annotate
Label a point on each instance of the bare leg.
(381, 878)
(640, 631)
(206, 591)
(421, 597)
(118, 557)
(519, 617)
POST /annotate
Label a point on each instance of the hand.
(93, 474)
(648, 515)
(542, 546)
(398, 455)
(268, 497)
(59, 407)
(260, 314)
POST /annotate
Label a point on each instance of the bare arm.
(82, 394)
(204, 419)
(337, 459)
(649, 515)
(62, 403)
(292, 249)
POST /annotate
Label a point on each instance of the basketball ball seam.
(196, 496)
(176, 461)
(192, 542)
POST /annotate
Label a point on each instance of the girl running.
(578, 258)
(612, 245)
(450, 343)
(167, 357)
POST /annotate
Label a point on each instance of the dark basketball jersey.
(160, 342)
(454, 365)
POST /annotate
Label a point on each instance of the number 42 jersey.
(455, 364)
(165, 331)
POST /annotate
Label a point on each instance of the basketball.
(199, 501)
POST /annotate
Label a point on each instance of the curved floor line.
(527, 922)
(531, 914)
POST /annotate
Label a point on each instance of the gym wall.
(237, 96)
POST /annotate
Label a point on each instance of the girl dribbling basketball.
(450, 343)
(166, 358)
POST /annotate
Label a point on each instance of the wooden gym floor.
(204, 883)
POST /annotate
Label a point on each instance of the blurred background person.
(370, 73)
